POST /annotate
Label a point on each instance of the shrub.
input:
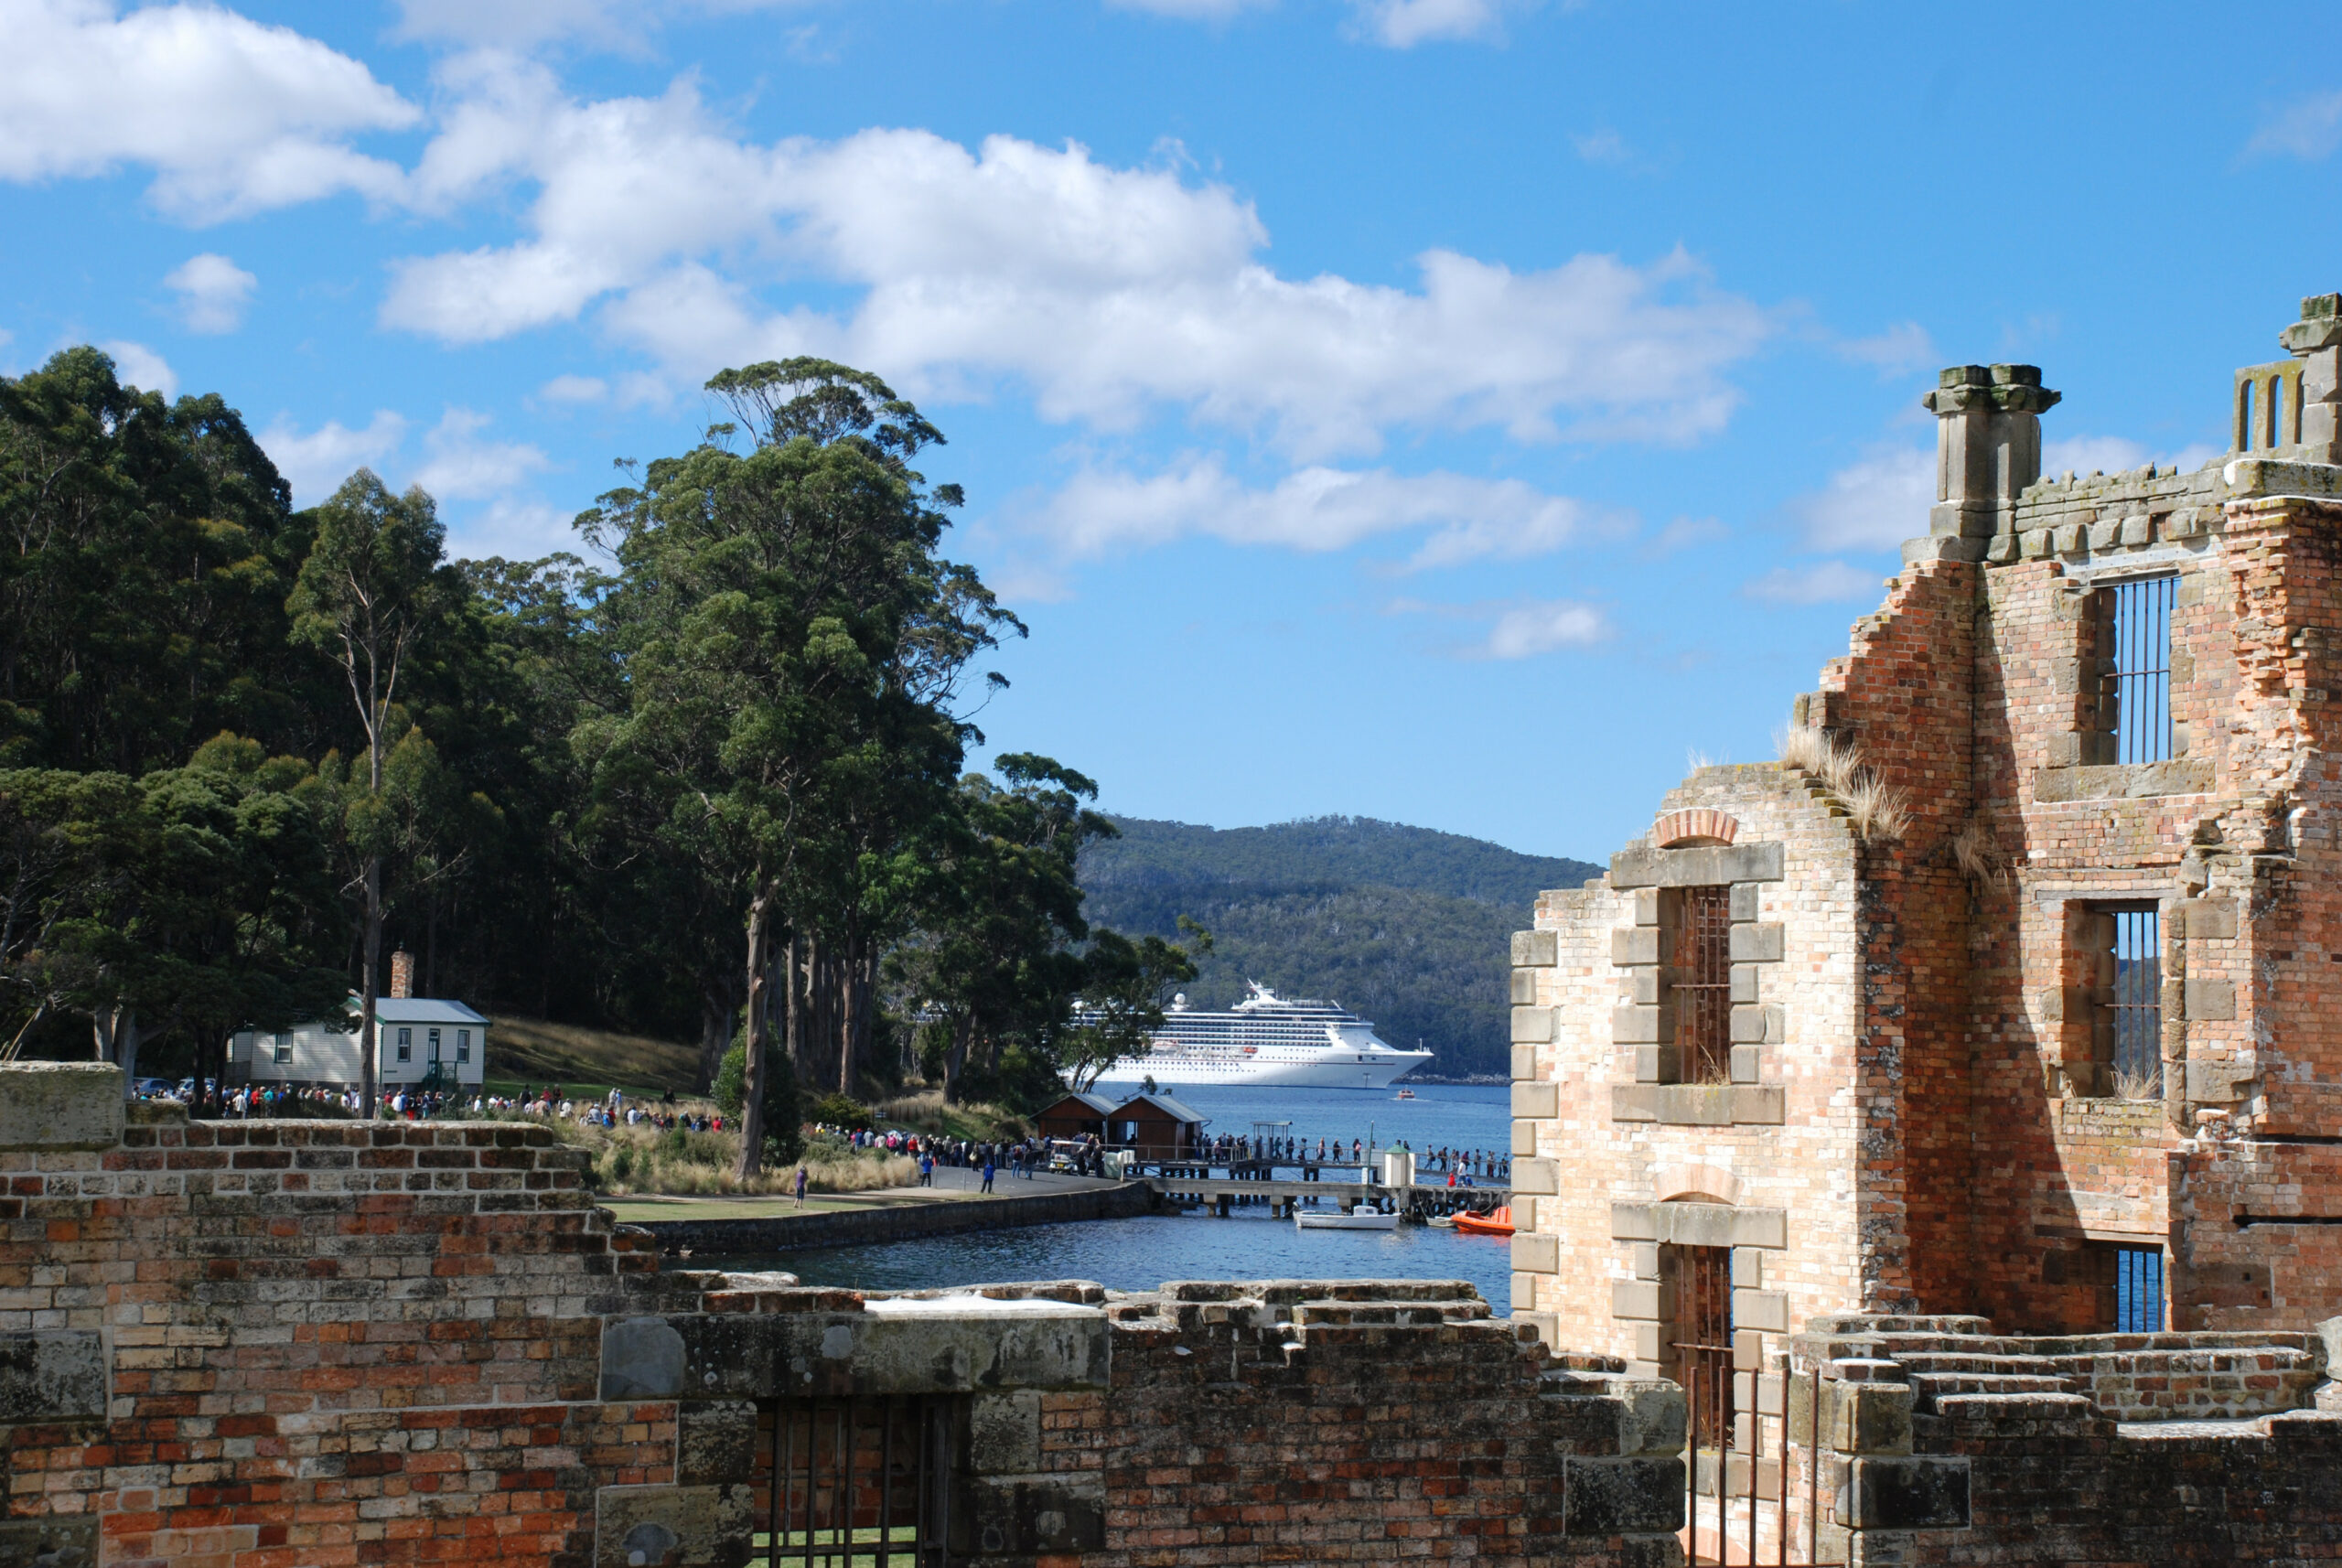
(840, 1111)
(784, 1112)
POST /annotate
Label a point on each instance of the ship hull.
(1377, 1073)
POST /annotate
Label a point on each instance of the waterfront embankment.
(706, 1232)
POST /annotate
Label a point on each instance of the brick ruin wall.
(280, 1344)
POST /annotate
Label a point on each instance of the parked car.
(154, 1088)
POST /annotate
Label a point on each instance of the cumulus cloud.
(1517, 629)
(136, 365)
(1821, 582)
(1403, 24)
(458, 465)
(617, 25)
(233, 115)
(1873, 504)
(1313, 509)
(315, 464)
(2308, 128)
(515, 527)
(213, 292)
(1108, 293)
(2088, 454)
(1899, 350)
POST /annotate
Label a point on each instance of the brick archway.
(1700, 825)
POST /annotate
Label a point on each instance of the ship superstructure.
(1267, 1040)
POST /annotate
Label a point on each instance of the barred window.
(1700, 985)
(2134, 650)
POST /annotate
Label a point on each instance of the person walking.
(988, 1170)
(800, 1186)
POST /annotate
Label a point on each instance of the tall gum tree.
(784, 619)
(373, 583)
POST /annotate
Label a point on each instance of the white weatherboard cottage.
(413, 1034)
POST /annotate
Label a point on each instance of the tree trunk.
(955, 1059)
(128, 1038)
(719, 1005)
(752, 1080)
(369, 1050)
(849, 972)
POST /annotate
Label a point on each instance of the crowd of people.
(1462, 1167)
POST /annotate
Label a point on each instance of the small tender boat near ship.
(1496, 1223)
(1356, 1219)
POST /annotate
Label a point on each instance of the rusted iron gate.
(857, 1481)
(1707, 1371)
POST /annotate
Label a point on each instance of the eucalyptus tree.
(784, 625)
(374, 582)
(1124, 985)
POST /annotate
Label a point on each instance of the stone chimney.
(402, 973)
(2315, 340)
(1988, 448)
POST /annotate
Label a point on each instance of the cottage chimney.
(402, 973)
(1988, 448)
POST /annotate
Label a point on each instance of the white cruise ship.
(1270, 1041)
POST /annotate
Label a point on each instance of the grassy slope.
(1407, 926)
(532, 1051)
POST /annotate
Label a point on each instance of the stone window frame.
(2070, 1011)
(2081, 765)
(1642, 1018)
(1700, 1219)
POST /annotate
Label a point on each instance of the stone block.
(1642, 1259)
(2211, 919)
(1765, 1309)
(1757, 943)
(2106, 534)
(1645, 911)
(1536, 1099)
(61, 1541)
(642, 1358)
(1871, 1418)
(2001, 549)
(60, 1105)
(1747, 1268)
(1524, 988)
(2120, 782)
(1744, 981)
(1033, 1515)
(1633, 944)
(1748, 900)
(672, 1527)
(1759, 1105)
(2070, 538)
(1747, 1061)
(1655, 1064)
(1650, 1340)
(1533, 1026)
(1705, 866)
(2034, 543)
(2218, 1084)
(1649, 1300)
(715, 1442)
(1536, 950)
(1760, 1228)
(2183, 522)
(2137, 528)
(1635, 1102)
(1628, 1222)
(1641, 987)
(1906, 1493)
(1692, 1104)
(52, 1376)
(1757, 1025)
(1631, 1024)
(1524, 1061)
(1004, 1434)
(1536, 1177)
(1652, 1416)
(1536, 1255)
(1642, 1495)
(2212, 999)
(1524, 1138)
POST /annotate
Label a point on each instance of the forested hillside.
(1408, 926)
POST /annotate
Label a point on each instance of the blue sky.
(1456, 411)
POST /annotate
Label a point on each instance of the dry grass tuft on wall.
(1876, 809)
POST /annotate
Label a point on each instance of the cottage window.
(282, 1050)
(463, 1045)
(406, 1045)
(2134, 652)
(434, 1045)
(1700, 985)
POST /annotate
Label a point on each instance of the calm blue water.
(1139, 1255)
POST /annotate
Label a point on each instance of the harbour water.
(1141, 1253)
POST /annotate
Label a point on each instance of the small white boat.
(1356, 1220)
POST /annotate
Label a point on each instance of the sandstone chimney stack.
(402, 973)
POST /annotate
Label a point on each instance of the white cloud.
(1314, 508)
(517, 528)
(1685, 532)
(2088, 454)
(2307, 129)
(1602, 146)
(1899, 350)
(1819, 583)
(617, 25)
(1875, 504)
(233, 115)
(213, 292)
(574, 389)
(316, 464)
(136, 365)
(1403, 24)
(1108, 293)
(1517, 628)
(458, 466)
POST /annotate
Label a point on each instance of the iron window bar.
(1703, 985)
(2142, 626)
(857, 1482)
(2137, 1006)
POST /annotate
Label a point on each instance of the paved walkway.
(952, 1185)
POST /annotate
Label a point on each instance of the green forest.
(707, 779)
(1407, 927)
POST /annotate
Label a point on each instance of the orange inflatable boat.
(1498, 1222)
